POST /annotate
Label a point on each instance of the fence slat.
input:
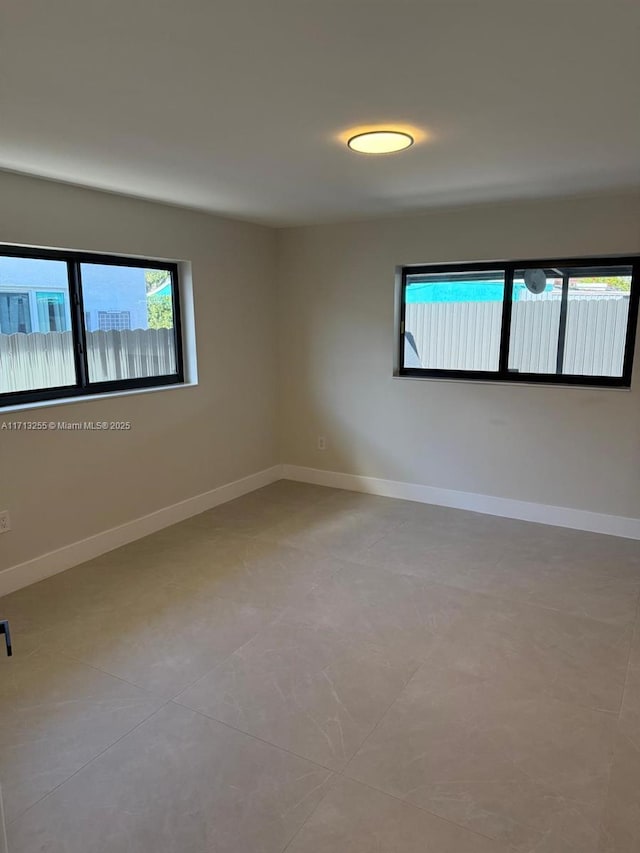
(466, 335)
(45, 360)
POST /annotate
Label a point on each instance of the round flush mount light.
(380, 141)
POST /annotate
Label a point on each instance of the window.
(52, 312)
(15, 314)
(567, 322)
(73, 323)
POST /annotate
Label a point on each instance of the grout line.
(164, 698)
(332, 782)
(619, 733)
(87, 763)
(461, 827)
(219, 663)
(410, 805)
(360, 646)
(495, 596)
(3, 826)
(381, 718)
(99, 669)
(635, 633)
(252, 736)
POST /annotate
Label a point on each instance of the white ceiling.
(237, 106)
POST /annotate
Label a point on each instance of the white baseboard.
(559, 516)
(64, 558)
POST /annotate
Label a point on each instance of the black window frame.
(84, 387)
(503, 374)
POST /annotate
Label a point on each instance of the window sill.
(502, 383)
(88, 398)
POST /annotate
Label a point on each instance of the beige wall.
(62, 487)
(562, 446)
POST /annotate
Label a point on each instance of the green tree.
(155, 278)
(617, 282)
(160, 312)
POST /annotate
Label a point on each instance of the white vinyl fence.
(466, 335)
(45, 360)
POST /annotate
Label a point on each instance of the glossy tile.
(561, 574)
(342, 526)
(539, 651)
(565, 656)
(55, 716)
(390, 510)
(436, 550)
(529, 772)
(630, 711)
(398, 612)
(103, 584)
(475, 680)
(249, 571)
(30, 618)
(295, 494)
(179, 782)
(355, 819)
(305, 688)
(251, 515)
(164, 641)
(592, 587)
(620, 832)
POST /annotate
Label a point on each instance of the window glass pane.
(570, 321)
(596, 330)
(129, 322)
(535, 321)
(453, 320)
(36, 346)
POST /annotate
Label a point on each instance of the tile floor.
(319, 671)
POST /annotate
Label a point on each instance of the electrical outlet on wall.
(322, 442)
(5, 522)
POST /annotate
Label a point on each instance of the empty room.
(319, 426)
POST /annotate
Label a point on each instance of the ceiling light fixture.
(380, 141)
